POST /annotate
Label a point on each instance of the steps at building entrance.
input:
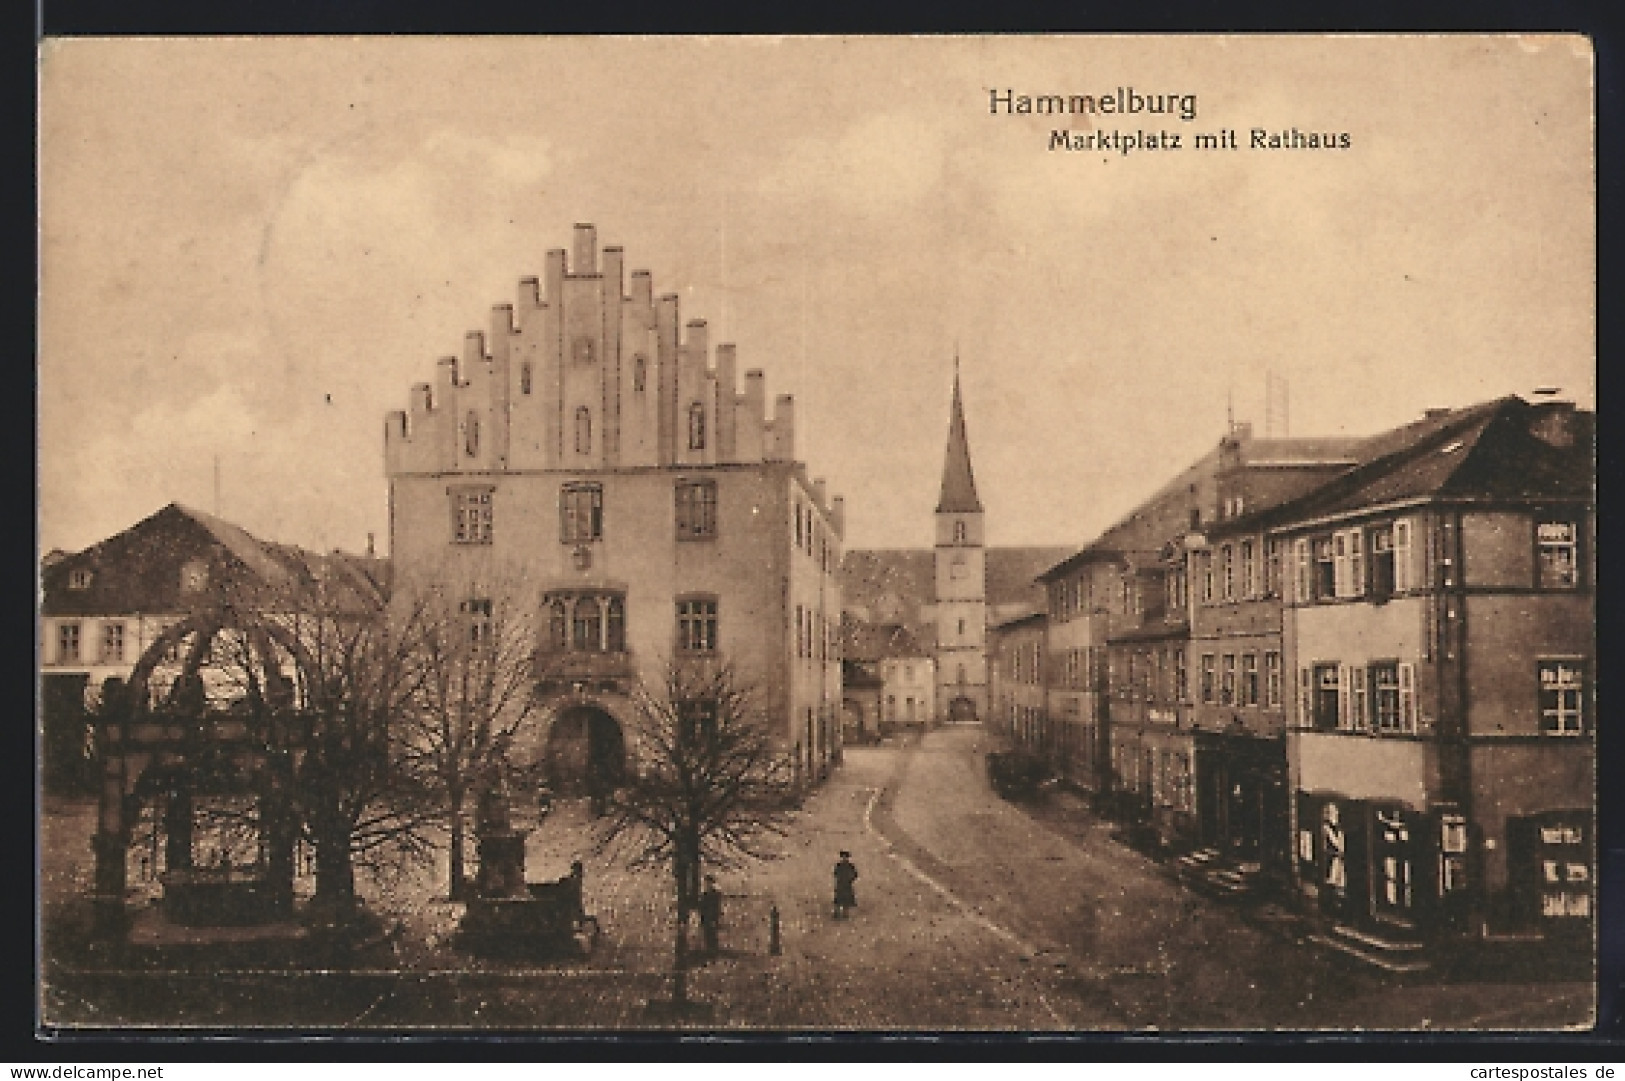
(1390, 951)
(1206, 870)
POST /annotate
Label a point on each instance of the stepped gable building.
(598, 456)
(106, 606)
(947, 595)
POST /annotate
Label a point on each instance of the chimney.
(584, 258)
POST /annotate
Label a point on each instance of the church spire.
(958, 485)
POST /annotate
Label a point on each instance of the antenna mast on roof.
(1275, 405)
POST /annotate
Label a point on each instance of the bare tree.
(709, 788)
(475, 676)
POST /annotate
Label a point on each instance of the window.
(1348, 564)
(1248, 574)
(583, 430)
(640, 373)
(1207, 678)
(1227, 573)
(1356, 716)
(962, 628)
(696, 509)
(67, 643)
(582, 350)
(696, 427)
(1562, 697)
(1272, 568)
(1565, 870)
(524, 378)
(1325, 702)
(471, 515)
(957, 568)
(471, 434)
(1180, 685)
(697, 626)
(1325, 570)
(1558, 564)
(1249, 679)
(1207, 577)
(581, 513)
(1393, 697)
(797, 512)
(959, 532)
(79, 578)
(1272, 680)
(1303, 585)
(1227, 689)
(1382, 561)
(1404, 574)
(112, 643)
(480, 627)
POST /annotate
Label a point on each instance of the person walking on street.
(845, 875)
(710, 913)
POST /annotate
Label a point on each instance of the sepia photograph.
(1006, 534)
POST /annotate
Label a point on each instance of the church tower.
(961, 581)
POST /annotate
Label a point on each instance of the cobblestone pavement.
(973, 914)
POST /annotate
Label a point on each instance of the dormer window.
(79, 578)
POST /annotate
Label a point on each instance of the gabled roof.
(1484, 452)
(138, 569)
(958, 494)
(877, 641)
(908, 575)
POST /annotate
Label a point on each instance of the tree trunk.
(679, 971)
(458, 856)
(335, 873)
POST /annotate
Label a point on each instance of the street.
(973, 914)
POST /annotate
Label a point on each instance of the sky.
(251, 249)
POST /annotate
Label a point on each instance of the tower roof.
(958, 485)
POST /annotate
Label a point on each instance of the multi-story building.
(1440, 639)
(104, 607)
(1016, 681)
(888, 661)
(604, 464)
(1123, 685)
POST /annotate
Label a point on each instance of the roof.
(958, 494)
(138, 570)
(862, 641)
(894, 583)
(1485, 452)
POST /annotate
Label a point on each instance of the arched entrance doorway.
(586, 752)
(961, 711)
